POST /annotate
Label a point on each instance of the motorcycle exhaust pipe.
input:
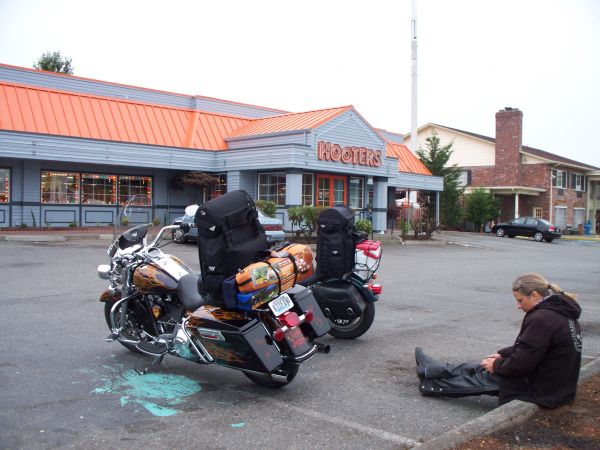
(323, 348)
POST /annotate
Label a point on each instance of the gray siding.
(57, 148)
(120, 91)
(349, 129)
(392, 137)
(273, 139)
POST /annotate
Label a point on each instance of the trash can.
(587, 228)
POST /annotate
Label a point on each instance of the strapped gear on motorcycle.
(229, 238)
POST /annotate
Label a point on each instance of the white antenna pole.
(414, 145)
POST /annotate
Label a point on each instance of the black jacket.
(542, 366)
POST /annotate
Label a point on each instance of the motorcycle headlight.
(104, 271)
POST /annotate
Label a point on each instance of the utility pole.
(413, 44)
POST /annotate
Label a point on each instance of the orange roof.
(407, 162)
(288, 122)
(38, 110)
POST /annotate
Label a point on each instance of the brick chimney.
(509, 138)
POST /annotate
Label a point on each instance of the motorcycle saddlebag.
(339, 299)
(335, 242)
(306, 302)
(229, 237)
(234, 340)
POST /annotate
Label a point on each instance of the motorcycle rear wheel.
(132, 332)
(265, 381)
(357, 327)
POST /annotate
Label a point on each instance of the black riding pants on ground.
(458, 380)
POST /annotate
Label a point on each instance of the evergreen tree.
(481, 207)
(53, 62)
(435, 157)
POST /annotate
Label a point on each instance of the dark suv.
(538, 229)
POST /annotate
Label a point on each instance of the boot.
(428, 367)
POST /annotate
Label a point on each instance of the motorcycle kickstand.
(156, 362)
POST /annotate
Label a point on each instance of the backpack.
(229, 238)
(336, 239)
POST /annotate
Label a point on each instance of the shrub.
(156, 221)
(364, 225)
(72, 225)
(125, 221)
(23, 225)
(267, 206)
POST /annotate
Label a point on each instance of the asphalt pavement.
(63, 386)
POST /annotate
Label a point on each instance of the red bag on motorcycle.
(285, 267)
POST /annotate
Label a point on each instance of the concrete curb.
(35, 238)
(511, 413)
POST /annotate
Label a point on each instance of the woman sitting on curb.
(542, 366)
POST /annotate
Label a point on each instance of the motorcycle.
(348, 302)
(153, 306)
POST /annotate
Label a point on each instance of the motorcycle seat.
(188, 292)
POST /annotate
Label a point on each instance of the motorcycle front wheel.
(134, 331)
(356, 327)
(266, 381)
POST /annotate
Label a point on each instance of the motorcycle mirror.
(191, 210)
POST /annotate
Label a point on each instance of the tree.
(435, 158)
(481, 207)
(53, 62)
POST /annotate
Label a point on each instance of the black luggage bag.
(229, 238)
(336, 239)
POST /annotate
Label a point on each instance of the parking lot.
(63, 386)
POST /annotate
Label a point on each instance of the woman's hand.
(488, 362)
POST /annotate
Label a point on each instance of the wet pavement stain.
(158, 393)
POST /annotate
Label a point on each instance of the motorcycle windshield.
(132, 222)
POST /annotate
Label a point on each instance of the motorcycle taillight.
(375, 288)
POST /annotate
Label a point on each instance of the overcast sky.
(475, 57)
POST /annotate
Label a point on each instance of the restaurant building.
(73, 150)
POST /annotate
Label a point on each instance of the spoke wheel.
(134, 330)
(500, 232)
(538, 236)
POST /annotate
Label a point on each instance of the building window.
(98, 189)
(560, 217)
(357, 192)
(537, 212)
(271, 187)
(308, 180)
(141, 187)
(60, 187)
(578, 217)
(578, 182)
(559, 178)
(218, 189)
(4, 185)
(465, 178)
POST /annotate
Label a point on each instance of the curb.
(504, 416)
(35, 238)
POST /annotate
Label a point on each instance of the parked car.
(273, 228)
(538, 229)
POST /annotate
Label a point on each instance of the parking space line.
(375, 432)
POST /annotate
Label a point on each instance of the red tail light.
(551, 228)
(279, 335)
(308, 316)
(375, 288)
(289, 319)
(273, 227)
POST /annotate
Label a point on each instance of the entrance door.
(331, 190)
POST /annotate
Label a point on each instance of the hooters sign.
(326, 151)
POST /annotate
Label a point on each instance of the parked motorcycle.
(153, 306)
(347, 263)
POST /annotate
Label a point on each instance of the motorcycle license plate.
(281, 304)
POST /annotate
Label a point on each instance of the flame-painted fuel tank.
(160, 276)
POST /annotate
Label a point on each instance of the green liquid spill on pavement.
(237, 425)
(149, 390)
